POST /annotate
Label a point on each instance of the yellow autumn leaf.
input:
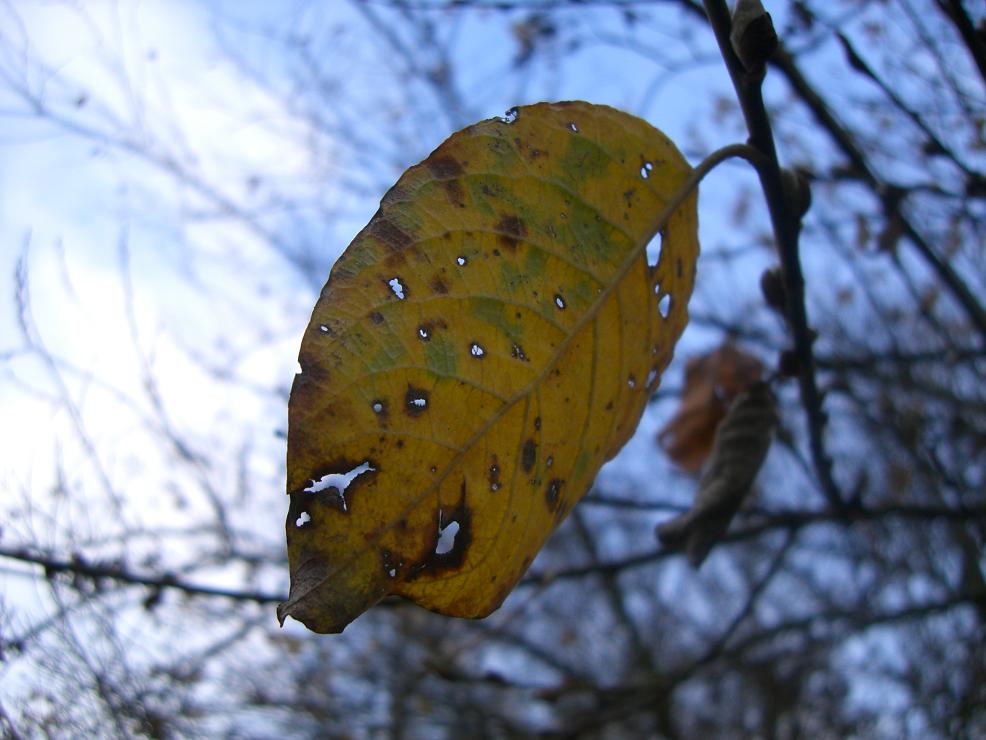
(483, 346)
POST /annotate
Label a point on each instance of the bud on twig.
(753, 37)
(797, 191)
(772, 287)
(788, 365)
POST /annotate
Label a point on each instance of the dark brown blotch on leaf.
(392, 235)
(511, 230)
(438, 285)
(415, 401)
(446, 170)
(444, 167)
(552, 494)
(434, 563)
(376, 317)
(331, 497)
(311, 368)
(528, 455)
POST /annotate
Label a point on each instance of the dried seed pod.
(741, 444)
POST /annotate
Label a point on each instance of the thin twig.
(786, 228)
(784, 520)
(889, 193)
(97, 571)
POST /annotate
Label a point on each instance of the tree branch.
(973, 41)
(786, 226)
(79, 566)
(889, 193)
(778, 521)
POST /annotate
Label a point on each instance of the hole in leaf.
(476, 350)
(559, 301)
(654, 250)
(423, 333)
(416, 401)
(446, 536)
(378, 407)
(632, 381)
(323, 328)
(550, 461)
(389, 566)
(645, 169)
(339, 481)
(664, 305)
(518, 352)
(461, 261)
(494, 476)
(302, 520)
(396, 286)
(572, 127)
(510, 116)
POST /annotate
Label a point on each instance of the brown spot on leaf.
(444, 167)
(537, 422)
(528, 455)
(395, 194)
(390, 234)
(311, 368)
(453, 189)
(552, 494)
(517, 352)
(395, 260)
(511, 230)
(438, 285)
(415, 401)
(376, 317)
